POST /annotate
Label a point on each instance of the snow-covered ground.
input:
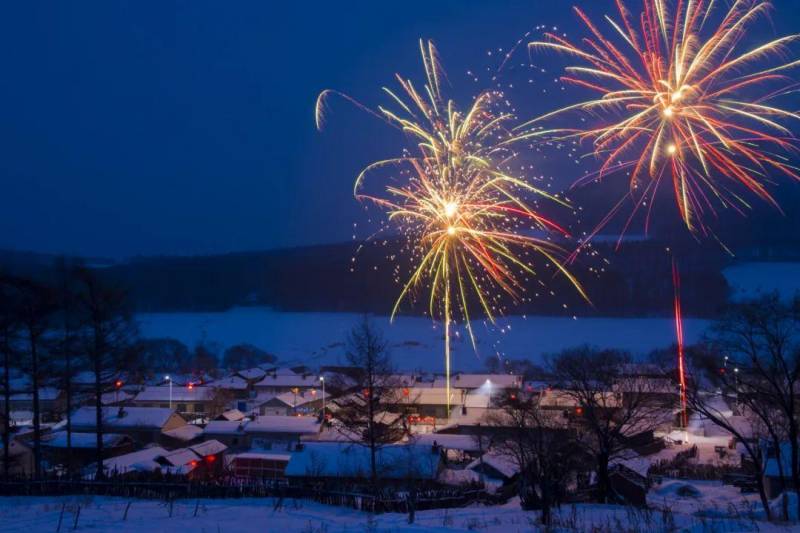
(416, 343)
(717, 508)
(749, 280)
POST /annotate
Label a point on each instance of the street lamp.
(322, 380)
(726, 361)
(170, 390)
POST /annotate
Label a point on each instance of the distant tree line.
(634, 281)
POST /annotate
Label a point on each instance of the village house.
(284, 380)
(229, 432)
(81, 448)
(259, 465)
(239, 389)
(199, 461)
(281, 432)
(489, 383)
(308, 402)
(339, 461)
(52, 403)
(144, 425)
(190, 401)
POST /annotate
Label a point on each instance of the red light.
(118, 383)
(193, 464)
(513, 396)
(406, 392)
(210, 458)
(579, 411)
(190, 386)
(721, 370)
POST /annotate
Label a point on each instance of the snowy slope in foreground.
(723, 508)
(749, 280)
(317, 338)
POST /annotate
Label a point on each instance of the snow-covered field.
(416, 343)
(717, 508)
(317, 338)
(749, 280)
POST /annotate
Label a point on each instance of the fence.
(395, 501)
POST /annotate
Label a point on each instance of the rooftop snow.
(126, 417)
(179, 394)
(184, 433)
(284, 424)
(335, 459)
(82, 440)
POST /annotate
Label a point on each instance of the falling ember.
(683, 101)
(463, 215)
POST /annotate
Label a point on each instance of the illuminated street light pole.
(322, 380)
(170, 390)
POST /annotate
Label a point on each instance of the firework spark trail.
(676, 286)
(674, 104)
(463, 214)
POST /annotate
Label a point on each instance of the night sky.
(133, 127)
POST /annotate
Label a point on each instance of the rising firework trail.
(683, 101)
(676, 285)
(471, 236)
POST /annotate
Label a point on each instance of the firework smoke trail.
(462, 213)
(676, 104)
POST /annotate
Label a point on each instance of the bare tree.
(760, 340)
(540, 445)
(36, 307)
(709, 394)
(369, 392)
(612, 404)
(9, 331)
(107, 334)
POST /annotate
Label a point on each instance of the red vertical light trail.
(676, 284)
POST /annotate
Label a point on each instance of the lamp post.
(322, 380)
(170, 390)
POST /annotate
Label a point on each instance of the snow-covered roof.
(433, 396)
(465, 443)
(476, 381)
(501, 463)
(336, 459)
(142, 460)
(633, 461)
(179, 394)
(230, 382)
(45, 394)
(180, 457)
(115, 397)
(265, 456)
(301, 398)
(184, 433)
(225, 427)
(209, 447)
(252, 373)
(123, 417)
(233, 415)
(288, 380)
(83, 440)
(284, 424)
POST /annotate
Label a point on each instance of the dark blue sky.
(160, 127)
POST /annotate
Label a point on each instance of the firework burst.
(683, 103)
(471, 234)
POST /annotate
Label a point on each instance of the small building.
(494, 467)
(199, 461)
(338, 461)
(281, 432)
(81, 448)
(307, 402)
(229, 432)
(189, 401)
(489, 383)
(52, 403)
(143, 424)
(259, 465)
(232, 415)
(284, 380)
